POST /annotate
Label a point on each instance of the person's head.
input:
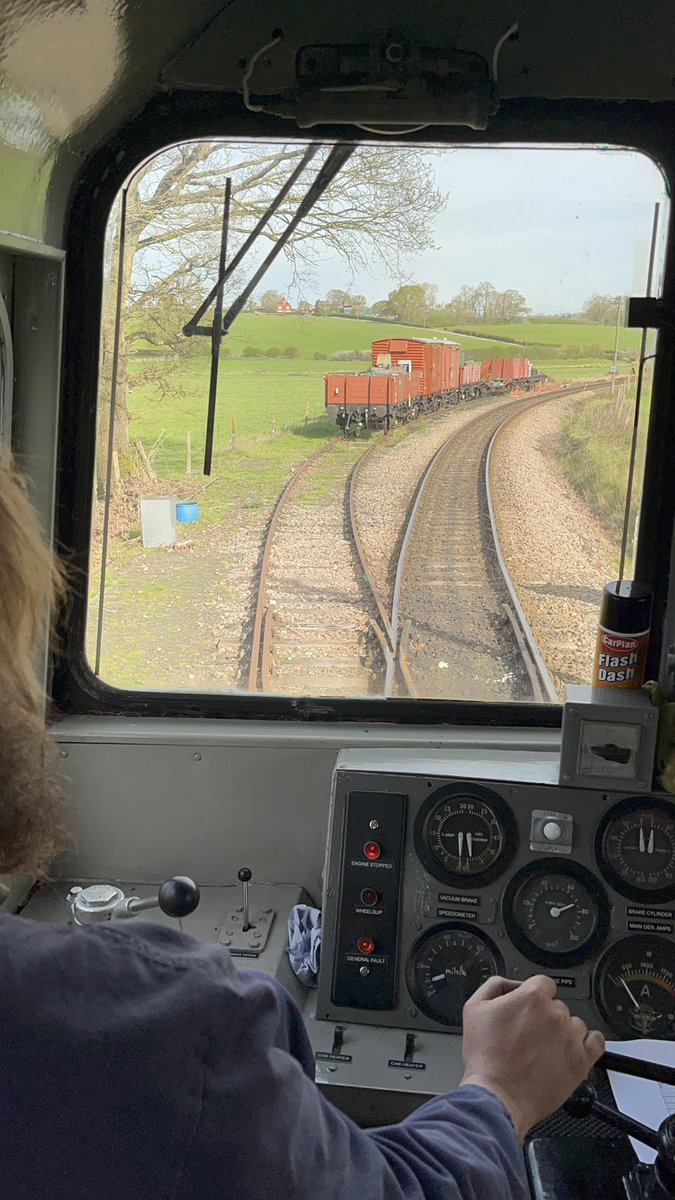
(31, 808)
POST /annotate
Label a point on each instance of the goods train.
(410, 376)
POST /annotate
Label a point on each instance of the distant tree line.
(418, 304)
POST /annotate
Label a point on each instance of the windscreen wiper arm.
(334, 163)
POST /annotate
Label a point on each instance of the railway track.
(458, 627)
(450, 627)
(317, 618)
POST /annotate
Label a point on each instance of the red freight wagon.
(371, 400)
(469, 373)
(505, 368)
(437, 361)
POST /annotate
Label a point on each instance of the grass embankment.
(595, 452)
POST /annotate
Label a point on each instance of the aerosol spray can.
(623, 635)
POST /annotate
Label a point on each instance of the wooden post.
(189, 452)
(116, 469)
(274, 420)
(307, 414)
(146, 461)
(234, 432)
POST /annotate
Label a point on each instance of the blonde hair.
(31, 582)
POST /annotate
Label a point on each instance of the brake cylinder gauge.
(445, 966)
(556, 913)
(635, 849)
(465, 835)
(634, 987)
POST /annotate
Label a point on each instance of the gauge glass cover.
(556, 914)
(465, 835)
(444, 968)
(635, 848)
(634, 987)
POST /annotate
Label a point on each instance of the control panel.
(432, 884)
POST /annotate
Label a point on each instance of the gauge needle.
(469, 843)
(437, 978)
(642, 840)
(460, 844)
(650, 843)
(556, 910)
(623, 981)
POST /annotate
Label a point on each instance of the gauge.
(635, 849)
(465, 835)
(445, 966)
(556, 913)
(634, 987)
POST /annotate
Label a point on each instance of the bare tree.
(380, 207)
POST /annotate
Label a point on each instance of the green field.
(257, 397)
(563, 333)
(260, 397)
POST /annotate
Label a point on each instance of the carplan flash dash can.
(623, 635)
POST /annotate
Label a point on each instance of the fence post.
(234, 432)
(274, 420)
(188, 437)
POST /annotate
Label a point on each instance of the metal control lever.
(245, 932)
(643, 1182)
(177, 897)
(244, 876)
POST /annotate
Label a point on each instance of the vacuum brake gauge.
(635, 849)
(556, 913)
(465, 835)
(445, 966)
(634, 987)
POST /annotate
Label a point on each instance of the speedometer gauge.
(445, 966)
(634, 987)
(556, 913)
(635, 849)
(465, 835)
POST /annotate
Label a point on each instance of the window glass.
(422, 423)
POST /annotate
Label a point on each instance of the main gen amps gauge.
(556, 913)
(465, 835)
(635, 849)
(634, 987)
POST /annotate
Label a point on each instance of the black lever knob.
(178, 897)
(244, 875)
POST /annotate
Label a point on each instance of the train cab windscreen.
(365, 417)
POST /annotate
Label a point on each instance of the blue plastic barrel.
(187, 511)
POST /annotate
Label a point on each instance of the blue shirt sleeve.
(266, 1131)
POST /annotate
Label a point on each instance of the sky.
(556, 225)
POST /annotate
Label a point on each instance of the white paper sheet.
(646, 1101)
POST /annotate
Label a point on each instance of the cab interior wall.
(195, 797)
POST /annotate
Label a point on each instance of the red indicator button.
(372, 850)
(369, 896)
(366, 945)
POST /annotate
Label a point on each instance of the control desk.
(436, 879)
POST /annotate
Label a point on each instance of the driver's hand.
(526, 1047)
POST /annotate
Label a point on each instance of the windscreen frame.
(184, 116)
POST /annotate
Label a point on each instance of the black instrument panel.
(503, 878)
